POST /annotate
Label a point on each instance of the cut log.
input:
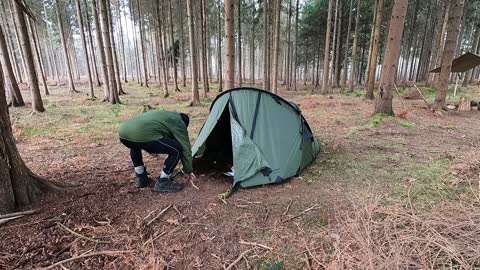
(464, 104)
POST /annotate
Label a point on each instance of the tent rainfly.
(264, 137)
(462, 63)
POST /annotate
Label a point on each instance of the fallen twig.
(5, 220)
(238, 259)
(400, 96)
(159, 214)
(153, 239)
(81, 235)
(106, 253)
(288, 208)
(193, 184)
(255, 244)
(302, 213)
(423, 97)
(23, 213)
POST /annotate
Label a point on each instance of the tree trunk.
(266, 44)
(174, 63)
(454, 20)
(37, 103)
(16, 27)
(239, 41)
(182, 45)
(122, 45)
(473, 49)
(84, 44)
(442, 40)
(276, 45)
(92, 49)
(336, 67)
(334, 44)
(11, 82)
(436, 42)
(230, 43)
(160, 54)
(295, 65)
(204, 53)
(354, 49)
(372, 69)
(288, 48)
(68, 67)
(116, 66)
(142, 45)
(193, 55)
(326, 55)
(101, 51)
(107, 42)
(347, 44)
(18, 185)
(35, 45)
(383, 102)
(219, 49)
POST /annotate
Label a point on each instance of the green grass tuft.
(406, 124)
(377, 120)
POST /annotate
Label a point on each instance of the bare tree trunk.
(372, 69)
(174, 64)
(142, 45)
(219, 49)
(39, 58)
(193, 55)
(295, 66)
(252, 47)
(92, 49)
(68, 67)
(230, 43)
(336, 67)
(473, 48)
(203, 41)
(11, 82)
(161, 55)
(37, 104)
(84, 44)
(122, 45)
(239, 41)
(276, 46)
(334, 44)
(182, 45)
(347, 44)
(17, 37)
(288, 48)
(326, 56)
(354, 49)
(116, 67)
(383, 102)
(101, 52)
(266, 43)
(454, 20)
(19, 186)
(442, 41)
(107, 42)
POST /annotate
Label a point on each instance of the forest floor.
(384, 193)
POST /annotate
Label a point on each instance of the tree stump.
(464, 104)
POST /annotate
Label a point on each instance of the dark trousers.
(166, 146)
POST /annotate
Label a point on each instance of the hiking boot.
(142, 180)
(167, 185)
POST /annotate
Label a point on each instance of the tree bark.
(193, 55)
(203, 37)
(266, 45)
(383, 102)
(68, 67)
(239, 42)
(354, 49)
(122, 45)
(288, 48)
(11, 82)
(219, 49)
(347, 44)
(18, 185)
(295, 65)
(84, 44)
(372, 69)
(101, 51)
(119, 88)
(276, 46)
(182, 45)
(336, 64)
(107, 42)
(454, 20)
(37, 103)
(334, 44)
(35, 44)
(473, 49)
(142, 45)
(326, 55)
(17, 37)
(160, 54)
(92, 49)
(174, 63)
(230, 43)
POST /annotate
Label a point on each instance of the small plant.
(376, 120)
(264, 264)
(406, 124)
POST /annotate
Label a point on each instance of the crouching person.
(158, 132)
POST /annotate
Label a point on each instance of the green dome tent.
(264, 137)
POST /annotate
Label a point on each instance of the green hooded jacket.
(154, 125)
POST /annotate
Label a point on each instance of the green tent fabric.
(264, 137)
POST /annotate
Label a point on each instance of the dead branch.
(255, 244)
(193, 185)
(82, 236)
(101, 253)
(159, 214)
(400, 96)
(302, 213)
(423, 97)
(288, 208)
(238, 259)
(23, 213)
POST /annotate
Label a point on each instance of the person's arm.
(180, 133)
